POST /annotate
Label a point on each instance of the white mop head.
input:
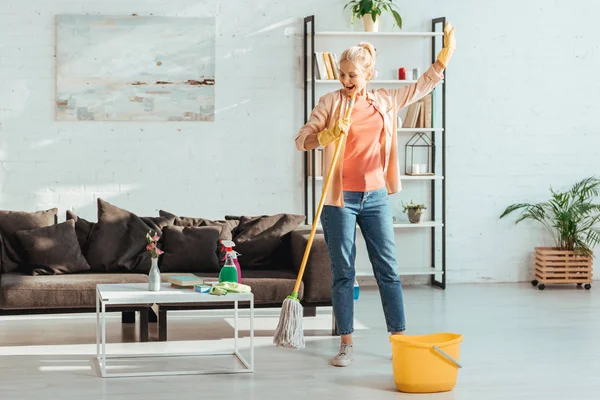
(289, 332)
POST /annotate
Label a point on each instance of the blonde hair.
(362, 56)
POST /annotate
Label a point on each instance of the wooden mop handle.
(336, 154)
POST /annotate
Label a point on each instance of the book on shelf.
(327, 66)
(318, 162)
(419, 114)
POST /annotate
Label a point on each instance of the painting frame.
(134, 68)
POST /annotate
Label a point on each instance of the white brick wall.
(521, 116)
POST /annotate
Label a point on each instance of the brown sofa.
(52, 267)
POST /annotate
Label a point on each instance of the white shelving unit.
(374, 81)
(438, 221)
(367, 34)
(405, 225)
(406, 177)
(422, 224)
(400, 130)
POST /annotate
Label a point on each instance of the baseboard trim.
(366, 280)
(369, 281)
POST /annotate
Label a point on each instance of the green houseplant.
(571, 217)
(369, 10)
(415, 211)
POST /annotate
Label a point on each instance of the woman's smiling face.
(352, 78)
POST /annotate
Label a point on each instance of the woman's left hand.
(449, 45)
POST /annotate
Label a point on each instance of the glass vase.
(154, 276)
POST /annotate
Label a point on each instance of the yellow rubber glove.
(331, 135)
(217, 291)
(449, 45)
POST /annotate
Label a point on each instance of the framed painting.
(135, 68)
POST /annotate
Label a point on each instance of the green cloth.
(222, 288)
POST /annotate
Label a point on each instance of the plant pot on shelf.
(556, 266)
(414, 216)
(370, 25)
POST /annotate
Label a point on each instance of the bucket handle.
(443, 353)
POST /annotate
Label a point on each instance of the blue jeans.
(371, 210)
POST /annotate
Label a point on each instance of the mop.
(289, 332)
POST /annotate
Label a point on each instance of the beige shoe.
(344, 357)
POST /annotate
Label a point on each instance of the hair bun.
(369, 47)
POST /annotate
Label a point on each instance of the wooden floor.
(520, 343)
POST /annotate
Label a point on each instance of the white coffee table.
(138, 293)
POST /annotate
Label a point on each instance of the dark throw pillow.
(13, 221)
(83, 230)
(190, 249)
(53, 250)
(228, 226)
(263, 241)
(118, 239)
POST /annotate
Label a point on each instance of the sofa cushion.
(118, 239)
(20, 291)
(271, 287)
(317, 276)
(53, 250)
(263, 241)
(11, 222)
(227, 226)
(190, 249)
(157, 224)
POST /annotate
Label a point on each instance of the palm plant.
(570, 216)
(374, 7)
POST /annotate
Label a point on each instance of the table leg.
(252, 334)
(334, 329)
(144, 325)
(235, 327)
(128, 317)
(97, 325)
(103, 357)
(162, 325)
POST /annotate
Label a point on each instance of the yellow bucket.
(426, 364)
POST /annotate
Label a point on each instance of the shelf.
(420, 130)
(420, 177)
(394, 34)
(401, 225)
(405, 177)
(403, 271)
(375, 81)
(419, 271)
(422, 224)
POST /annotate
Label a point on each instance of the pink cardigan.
(332, 107)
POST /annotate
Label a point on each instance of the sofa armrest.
(317, 274)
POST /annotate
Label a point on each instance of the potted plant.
(571, 217)
(370, 10)
(414, 211)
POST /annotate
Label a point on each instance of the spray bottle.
(231, 257)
